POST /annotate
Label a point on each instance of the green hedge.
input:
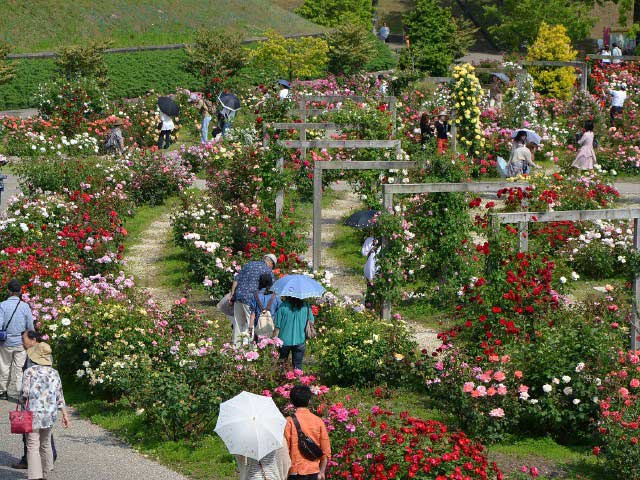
(130, 75)
(133, 74)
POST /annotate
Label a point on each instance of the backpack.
(264, 325)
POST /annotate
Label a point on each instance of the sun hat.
(40, 354)
(271, 257)
(118, 122)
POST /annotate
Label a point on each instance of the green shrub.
(383, 58)
(360, 349)
(83, 61)
(130, 75)
(332, 13)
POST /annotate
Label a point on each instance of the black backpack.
(308, 448)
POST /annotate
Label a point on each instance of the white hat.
(271, 257)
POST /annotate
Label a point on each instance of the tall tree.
(332, 13)
(83, 61)
(436, 38)
(351, 46)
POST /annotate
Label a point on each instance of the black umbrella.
(230, 101)
(168, 106)
(361, 219)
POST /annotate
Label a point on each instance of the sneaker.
(19, 466)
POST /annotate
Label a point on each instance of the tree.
(292, 57)
(436, 38)
(216, 56)
(515, 23)
(553, 44)
(351, 47)
(332, 13)
(83, 61)
(6, 68)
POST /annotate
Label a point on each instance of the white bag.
(265, 325)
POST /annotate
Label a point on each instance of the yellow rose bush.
(467, 95)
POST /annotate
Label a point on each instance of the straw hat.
(118, 122)
(442, 113)
(40, 354)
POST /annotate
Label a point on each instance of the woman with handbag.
(42, 396)
(291, 327)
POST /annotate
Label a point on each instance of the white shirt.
(618, 97)
(167, 121)
(605, 52)
(370, 249)
(284, 93)
(616, 52)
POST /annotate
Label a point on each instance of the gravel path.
(85, 452)
(10, 189)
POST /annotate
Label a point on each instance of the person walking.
(303, 421)
(42, 395)
(247, 283)
(442, 128)
(618, 96)
(383, 33)
(16, 317)
(263, 302)
(30, 338)
(521, 159)
(166, 127)
(616, 53)
(273, 466)
(586, 158)
(291, 321)
(606, 54)
(426, 129)
(205, 107)
(115, 140)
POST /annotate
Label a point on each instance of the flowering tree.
(467, 94)
(553, 44)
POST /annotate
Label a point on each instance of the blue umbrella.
(284, 83)
(501, 76)
(298, 286)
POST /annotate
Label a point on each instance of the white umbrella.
(250, 425)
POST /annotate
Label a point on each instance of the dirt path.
(144, 260)
(345, 280)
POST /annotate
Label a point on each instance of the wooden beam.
(340, 98)
(340, 143)
(569, 215)
(438, 79)
(614, 57)
(299, 125)
(548, 63)
(635, 317)
(317, 217)
(367, 165)
(476, 187)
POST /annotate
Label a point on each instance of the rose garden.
(527, 343)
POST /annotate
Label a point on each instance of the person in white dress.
(586, 158)
(370, 249)
(616, 52)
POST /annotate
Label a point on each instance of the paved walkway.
(85, 452)
(10, 189)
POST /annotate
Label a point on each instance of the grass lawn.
(52, 23)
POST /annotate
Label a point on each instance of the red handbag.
(21, 420)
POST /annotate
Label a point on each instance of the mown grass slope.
(44, 25)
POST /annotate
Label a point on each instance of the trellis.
(523, 219)
(318, 168)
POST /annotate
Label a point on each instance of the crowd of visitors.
(259, 312)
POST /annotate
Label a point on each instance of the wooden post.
(585, 77)
(280, 195)
(394, 116)
(635, 317)
(303, 131)
(454, 132)
(317, 216)
(523, 236)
